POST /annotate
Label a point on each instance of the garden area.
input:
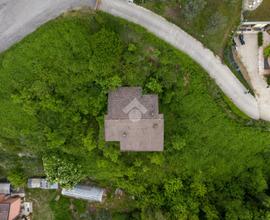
(209, 21)
(50, 205)
(53, 98)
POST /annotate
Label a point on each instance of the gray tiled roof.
(4, 211)
(122, 97)
(143, 134)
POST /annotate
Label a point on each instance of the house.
(41, 183)
(85, 192)
(5, 189)
(10, 207)
(133, 119)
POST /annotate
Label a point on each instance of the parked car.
(241, 39)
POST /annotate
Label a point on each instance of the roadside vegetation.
(53, 98)
(260, 39)
(266, 51)
(209, 21)
(260, 14)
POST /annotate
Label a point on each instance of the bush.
(216, 22)
(63, 169)
(17, 178)
(266, 51)
(260, 39)
(193, 7)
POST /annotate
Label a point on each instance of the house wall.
(15, 207)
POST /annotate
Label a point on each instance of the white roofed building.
(5, 188)
(41, 183)
(85, 192)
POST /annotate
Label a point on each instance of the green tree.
(63, 169)
(17, 177)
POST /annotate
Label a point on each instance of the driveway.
(249, 55)
(20, 17)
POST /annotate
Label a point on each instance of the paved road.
(20, 17)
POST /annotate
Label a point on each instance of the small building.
(27, 209)
(133, 119)
(5, 189)
(41, 183)
(254, 26)
(89, 193)
(10, 207)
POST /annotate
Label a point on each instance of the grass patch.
(41, 203)
(260, 14)
(211, 24)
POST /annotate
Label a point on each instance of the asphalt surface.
(20, 17)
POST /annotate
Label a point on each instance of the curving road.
(20, 17)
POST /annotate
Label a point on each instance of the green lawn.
(215, 163)
(262, 13)
(209, 21)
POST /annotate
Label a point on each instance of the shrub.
(193, 7)
(260, 39)
(266, 51)
(17, 178)
(216, 22)
(63, 169)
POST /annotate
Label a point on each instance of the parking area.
(248, 51)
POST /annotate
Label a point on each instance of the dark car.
(241, 39)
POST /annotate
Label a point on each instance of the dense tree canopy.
(62, 169)
(53, 98)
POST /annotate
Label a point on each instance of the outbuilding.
(85, 192)
(41, 183)
(5, 188)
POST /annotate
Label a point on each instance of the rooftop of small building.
(5, 188)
